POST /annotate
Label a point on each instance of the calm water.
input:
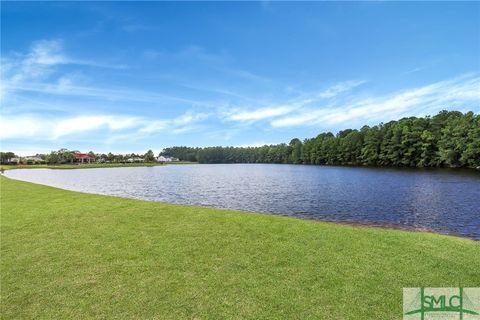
(441, 200)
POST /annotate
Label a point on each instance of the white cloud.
(340, 88)
(293, 106)
(125, 126)
(22, 126)
(66, 88)
(185, 129)
(37, 127)
(294, 120)
(180, 124)
(154, 126)
(428, 99)
(91, 123)
(260, 114)
(190, 117)
(38, 64)
(52, 53)
(47, 52)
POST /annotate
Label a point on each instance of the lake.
(441, 200)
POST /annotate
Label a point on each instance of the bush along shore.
(73, 255)
(89, 165)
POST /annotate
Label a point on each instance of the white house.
(28, 160)
(14, 160)
(166, 159)
(35, 159)
(163, 159)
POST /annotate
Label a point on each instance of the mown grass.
(87, 165)
(72, 255)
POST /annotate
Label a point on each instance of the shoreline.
(355, 224)
(155, 164)
(400, 227)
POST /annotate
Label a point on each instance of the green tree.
(149, 156)
(296, 147)
(428, 150)
(5, 157)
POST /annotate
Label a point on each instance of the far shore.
(89, 165)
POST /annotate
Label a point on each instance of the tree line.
(65, 156)
(5, 157)
(448, 139)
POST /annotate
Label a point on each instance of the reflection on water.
(441, 200)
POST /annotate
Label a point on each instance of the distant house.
(26, 160)
(166, 159)
(14, 160)
(135, 160)
(163, 159)
(82, 158)
(32, 159)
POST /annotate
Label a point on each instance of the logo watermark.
(441, 303)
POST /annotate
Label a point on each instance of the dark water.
(444, 201)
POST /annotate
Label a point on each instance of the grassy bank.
(72, 255)
(87, 165)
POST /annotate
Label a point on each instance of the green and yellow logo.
(441, 303)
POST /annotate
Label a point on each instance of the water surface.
(445, 201)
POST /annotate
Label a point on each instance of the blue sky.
(127, 77)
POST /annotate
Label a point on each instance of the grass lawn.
(87, 165)
(72, 255)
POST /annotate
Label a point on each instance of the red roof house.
(82, 157)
